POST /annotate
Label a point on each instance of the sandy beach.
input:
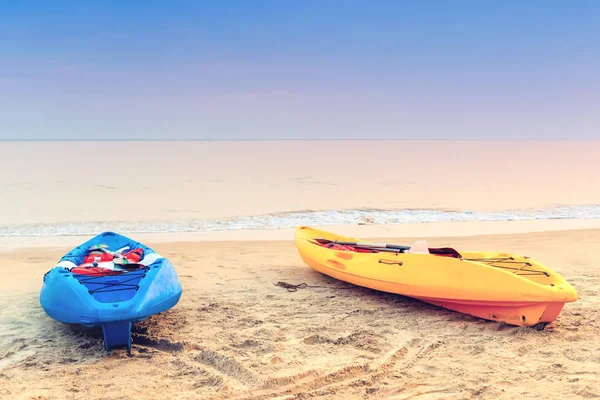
(235, 335)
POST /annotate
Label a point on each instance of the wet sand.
(235, 335)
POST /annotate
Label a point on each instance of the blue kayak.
(111, 291)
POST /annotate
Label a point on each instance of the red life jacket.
(90, 262)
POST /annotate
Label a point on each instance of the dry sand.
(234, 335)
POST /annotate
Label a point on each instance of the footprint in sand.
(579, 355)
(316, 339)
(430, 369)
(276, 360)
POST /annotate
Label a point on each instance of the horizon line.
(289, 139)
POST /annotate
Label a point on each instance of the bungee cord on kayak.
(509, 260)
(108, 284)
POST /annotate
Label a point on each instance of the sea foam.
(296, 218)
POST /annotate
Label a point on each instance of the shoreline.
(367, 231)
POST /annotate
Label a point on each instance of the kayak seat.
(445, 252)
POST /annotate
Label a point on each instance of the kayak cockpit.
(419, 247)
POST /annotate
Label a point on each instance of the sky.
(299, 69)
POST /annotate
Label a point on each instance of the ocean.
(83, 188)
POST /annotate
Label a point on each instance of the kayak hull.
(467, 287)
(111, 302)
(519, 314)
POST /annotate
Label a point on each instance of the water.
(294, 219)
(82, 188)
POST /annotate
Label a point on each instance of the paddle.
(366, 245)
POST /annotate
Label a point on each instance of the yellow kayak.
(492, 285)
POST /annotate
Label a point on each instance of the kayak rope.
(114, 286)
(509, 260)
(390, 262)
(294, 288)
(291, 287)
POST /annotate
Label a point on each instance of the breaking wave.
(296, 218)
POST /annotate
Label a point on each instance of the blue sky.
(299, 69)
